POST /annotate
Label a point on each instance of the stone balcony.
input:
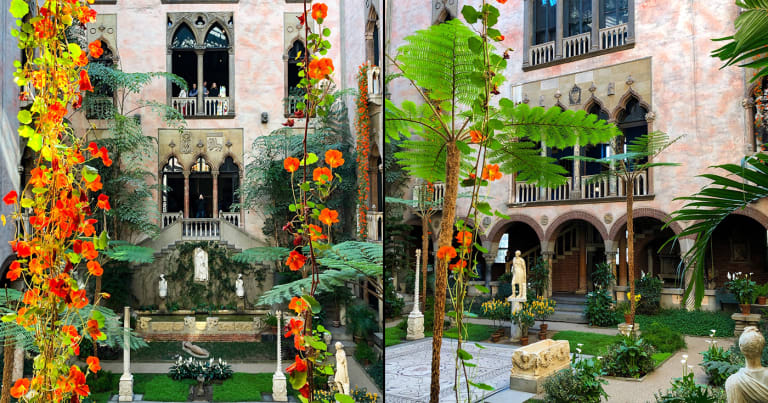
(581, 188)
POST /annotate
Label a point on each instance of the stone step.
(565, 307)
(569, 317)
(570, 299)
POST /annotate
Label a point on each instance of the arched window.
(613, 12)
(201, 166)
(216, 38)
(632, 123)
(184, 38)
(229, 183)
(293, 94)
(595, 150)
(545, 19)
(372, 37)
(173, 186)
(99, 104)
(578, 17)
(184, 59)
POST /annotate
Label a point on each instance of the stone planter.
(745, 308)
(533, 364)
(741, 321)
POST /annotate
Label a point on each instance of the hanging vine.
(363, 126)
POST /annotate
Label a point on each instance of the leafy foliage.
(747, 45)
(581, 384)
(632, 357)
(663, 338)
(393, 305)
(692, 323)
(685, 390)
(598, 309)
(191, 369)
(602, 275)
(361, 320)
(719, 364)
(538, 277)
(649, 288)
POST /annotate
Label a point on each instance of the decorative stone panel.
(105, 30)
(215, 145)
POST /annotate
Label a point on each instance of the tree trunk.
(630, 191)
(5, 396)
(424, 259)
(453, 158)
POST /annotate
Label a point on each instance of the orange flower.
(315, 232)
(333, 158)
(93, 329)
(319, 11)
(446, 253)
(14, 272)
(95, 268)
(39, 178)
(298, 305)
(95, 49)
(320, 68)
(79, 299)
(298, 342)
(491, 172)
(77, 380)
(20, 388)
(464, 238)
(85, 81)
(328, 216)
(458, 266)
(96, 185)
(36, 266)
(300, 365)
(295, 260)
(89, 251)
(31, 296)
(291, 164)
(93, 364)
(477, 137)
(502, 1)
(103, 202)
(82, 60)
(322, 175)
(295, 327)
(11, 197)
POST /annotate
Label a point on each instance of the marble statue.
(749, 384)
(341, 377)
(162, 287)
(518, 276)
(195, 351)
(201, 264)
(239, 290)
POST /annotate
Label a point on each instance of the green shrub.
(692, 323)
(363, 352)
(105, 382)
(376, 371)
(632, 357)
(602, 275)
(582, 384)
(359, 395)
(663, 338)
(538, 277)
(361, 320)
(598, 309)
(719, 364)
(686, 390)
(649, 288)
(191, 369)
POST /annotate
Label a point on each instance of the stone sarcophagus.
(532, 364)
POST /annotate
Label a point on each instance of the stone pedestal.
(162, 307)
(533, 364)
(126, 388)
(514, 331)
(279, 387)
(415, 326)
(241, 304)
(626, 328)
(743, 321)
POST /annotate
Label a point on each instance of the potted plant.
(525, 318)
(629, 316)
(624, 309)
(762, 293)
(743, 287)
(271, 321)
(543, 308)
(361, 321)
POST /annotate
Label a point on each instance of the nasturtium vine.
(61, 198)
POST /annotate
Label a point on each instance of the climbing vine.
(363, 126)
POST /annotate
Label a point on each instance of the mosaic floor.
(407, 370)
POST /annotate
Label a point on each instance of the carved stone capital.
(650, 116)
(747, 103)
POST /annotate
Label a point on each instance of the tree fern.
(261, 254)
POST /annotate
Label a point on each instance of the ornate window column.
(186, 193)
(215, 211)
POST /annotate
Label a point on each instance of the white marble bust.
(749, 384)
(162, 287)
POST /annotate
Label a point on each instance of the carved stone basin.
(532, 364)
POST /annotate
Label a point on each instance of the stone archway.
(577, 243)
(738, 244)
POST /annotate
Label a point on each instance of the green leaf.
(298, 379)
(316, 307)
(9, 317)
(482, 386)
(27, 203)
(470, 14)
(499, 214)
(90, 173)
(103, 240)
(343, 398)
(24, 116)
(483, 289)
(463, 354)
(98, 316)
(19, 8)
(35, 142)
(311, 159)
(318, 345)
(480, 346)
(484, 207)
(26, 131)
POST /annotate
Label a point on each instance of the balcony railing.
(588, 188)
(375, 222)
(200, 229)
(540, 54)
(576, 45)
(612, 37)
(290, 104)
(434, 193)
(232, 218)
(212, 106)
(168, 219)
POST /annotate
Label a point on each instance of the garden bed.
(229, 351)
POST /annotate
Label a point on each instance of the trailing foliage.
(692, 323)
(581, 384)
(598, 309)
(649, 288)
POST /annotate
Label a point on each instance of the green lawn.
(243, 387)
(593, 343)
(162, 388)
(393, 336)
(658, 358)
(474, 332)
(692, 323)
(230, 351)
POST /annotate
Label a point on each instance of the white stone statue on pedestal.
(518, 277)
(341, 377)
(415, 330)
(201, 264)
(239, 290)
(162, 287)
(749, 384)
(279, 383)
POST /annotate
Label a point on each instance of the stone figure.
(162, 287)
(749, 384)
(195, 351)
(341, 377)
(201, 264)
(239, 290)
(518, 276)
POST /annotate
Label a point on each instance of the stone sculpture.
(201, 264)
(749, 384)
(533, 364)
(341, 377)
(125, 387)
(518, 276)
(195, 351)
(162, 287)
(239, 289)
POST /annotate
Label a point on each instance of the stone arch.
(497, 230)
(754, 214)
(592, 101)
(624, 100)
(176, 26)
(235, 160)
(194, 159)
(619, 223)
(373, 19)
(553, 229)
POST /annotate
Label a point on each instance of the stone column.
(613, 182)
(126, 380)
(215, 202)
(582, 261)
(200, 88)
(559, 30)
(622, 277)
(279, 384)
(242, 209)
(542, 189)
(610, 258)
(186, 194)
(489, 259)
(18, 363)
(416, 318)
(548, 254)
(527, 30)
(576, 186)
(594, 39)
(231, 88)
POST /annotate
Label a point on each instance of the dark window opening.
(173, 182)
(216, 38)
(578, 17)
(184, 38)
(184, 65)
(229, 184)
(632, 124)
(544, 17)
(216, 70)
(613, 12)
(376, 45)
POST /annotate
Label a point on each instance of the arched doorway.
(738, 245)
(173, 186)
(649, 257)
(577, 247)
(201, 184)
(515, 236)
(228, 184)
